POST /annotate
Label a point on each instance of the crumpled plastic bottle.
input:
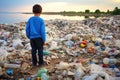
(44, 76)
(46, 52)
(1, 71)
(92, 77)
(78, 74)
(41, 71)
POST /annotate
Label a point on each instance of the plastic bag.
(3, 54)
(107, 61)
(53, 45)
(44, 76)
(117, 43)
(78, 74)
(91, 77)
(41, 71)
(63, 65)
(96, 69)
(69, 43)
(46, 52)
(17, 43)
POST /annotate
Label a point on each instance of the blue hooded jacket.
(35, 28)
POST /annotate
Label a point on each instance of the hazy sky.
(57, 5)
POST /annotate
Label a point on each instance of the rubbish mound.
(75, 50)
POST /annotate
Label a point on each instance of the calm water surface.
(11, 18)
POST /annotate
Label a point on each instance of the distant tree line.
(116, 11)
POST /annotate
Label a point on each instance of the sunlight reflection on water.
(15, 18)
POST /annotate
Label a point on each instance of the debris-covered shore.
(75, 50)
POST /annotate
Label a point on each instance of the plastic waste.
(63, 65)
(68, 36)
(24, 66)
(6, 65)
(3, 42)
(112, 66)
(108, 61)
(38, 78)
(85, 42)
(46, 52)
(44, 76)
(27, 47)
(107, 49)
(97, 43)
(96, 69)
(41, 71)
(78, 74)
(91, 77)
(98, 40)
(117, 74)
(1, 72)
(3, 54)
(82, 45)
(69, 43)
(53, 45)
(9, 71)
(17, 43)
(70, 73)
(116, 69)
(28, 78)
(117, 43)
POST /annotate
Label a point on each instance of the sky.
(58, 5)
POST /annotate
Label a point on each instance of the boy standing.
(35, 31)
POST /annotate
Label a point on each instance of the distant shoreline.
(70, 14)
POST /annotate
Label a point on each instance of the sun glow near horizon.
(61, 6)
(118, 1)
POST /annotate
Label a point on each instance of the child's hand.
(44, 44)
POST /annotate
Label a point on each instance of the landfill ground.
(74, 50)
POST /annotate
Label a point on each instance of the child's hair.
(37, 9)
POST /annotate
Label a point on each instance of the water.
(11, 18)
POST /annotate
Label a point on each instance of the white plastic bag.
(78, 74)
(53, 45)
(96, 69)
(63, 65)
(17, 43)
(3, 54)
(91, 77)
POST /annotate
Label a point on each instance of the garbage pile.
(75, 50)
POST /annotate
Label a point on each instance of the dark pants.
(37, 44)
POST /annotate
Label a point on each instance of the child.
(35, 31)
